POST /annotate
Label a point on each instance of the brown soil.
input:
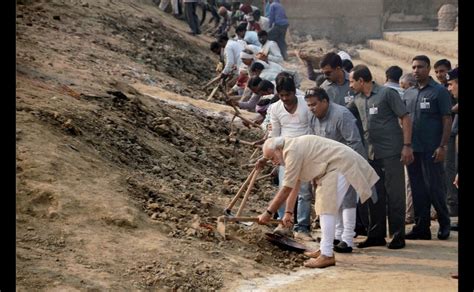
(118, 189)
(115, 189)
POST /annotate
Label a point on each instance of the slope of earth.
(117, 190)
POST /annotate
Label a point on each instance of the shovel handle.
(250, 219)
(249, 189)
(236, 197)
(212, 81)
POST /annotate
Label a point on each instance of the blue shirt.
(267, 8)
(277, 14)
(251, 37)
(427, 122)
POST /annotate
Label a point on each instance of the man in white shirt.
(269, 49)
(289, 118)
(232, 51)
(262, 20)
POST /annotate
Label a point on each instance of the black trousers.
(391, 201)
(428, 187)
(191, 17)
(450, 165)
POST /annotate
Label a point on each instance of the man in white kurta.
(334, 167)
(270, 48)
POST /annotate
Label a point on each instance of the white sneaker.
(283, 231)
(303, 236)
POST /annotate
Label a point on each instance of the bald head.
(222, 11)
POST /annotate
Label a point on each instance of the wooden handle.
(212, 81)
(247, 120)
(264, 176)
(241, 141)
(249, 219)
(253, 154)
(213, 92)
(247, 193)
(237, 196)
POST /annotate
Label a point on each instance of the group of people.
(386, 135)
(372, 152)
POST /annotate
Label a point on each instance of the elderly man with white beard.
(331, 165)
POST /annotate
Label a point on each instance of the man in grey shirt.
(388, 147)
(337, 84)
(392, 75)
(336, 122)
(337, 80)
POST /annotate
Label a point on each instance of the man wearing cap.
(429, 104)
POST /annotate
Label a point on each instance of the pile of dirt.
(117, 190)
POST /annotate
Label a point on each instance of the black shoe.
(454, 227)
(372, 241)
(342, 247)
(360, 231)
(179, 16)
(396, 243)
(413, 235)
(443, 233)
(336, 242)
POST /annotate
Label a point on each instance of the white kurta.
(232, 56)
(271, 49)
(311, 157)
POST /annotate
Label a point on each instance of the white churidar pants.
(328, 221)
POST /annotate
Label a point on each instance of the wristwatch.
(269, 212)
(407, 144)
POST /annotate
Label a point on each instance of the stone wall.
(349, 21)
(428, 9)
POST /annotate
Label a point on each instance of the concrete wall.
(426, 8)
(413, 15)
(349, 21)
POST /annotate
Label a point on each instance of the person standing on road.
(429, 104)
(335, 122)
(389, 147)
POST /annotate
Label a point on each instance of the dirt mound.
(117, 190)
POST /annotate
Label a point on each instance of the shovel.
(222, 221)
(237, 196)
